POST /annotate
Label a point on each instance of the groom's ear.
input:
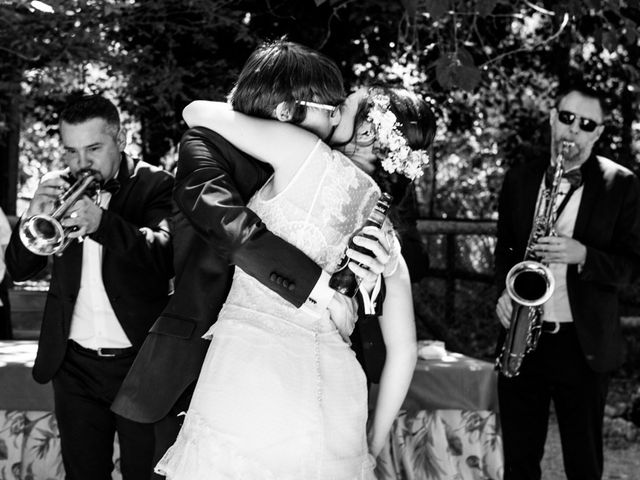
(283, 112)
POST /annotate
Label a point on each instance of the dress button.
(292, 287)
(285, 283)
(273, 277)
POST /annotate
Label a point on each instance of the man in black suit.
(105, 291)
(215, 230)
(591, 258)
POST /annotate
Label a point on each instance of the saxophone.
(530, 283)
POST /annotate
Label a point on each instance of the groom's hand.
(344, 313)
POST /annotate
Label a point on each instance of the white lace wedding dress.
(281, 395)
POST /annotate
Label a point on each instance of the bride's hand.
(369, 266)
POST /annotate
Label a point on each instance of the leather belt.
(556, 327)
(102, 352)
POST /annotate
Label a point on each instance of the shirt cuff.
(320, 296)
(369, 301)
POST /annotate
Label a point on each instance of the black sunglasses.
(586, 124)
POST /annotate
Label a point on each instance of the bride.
(281, 395)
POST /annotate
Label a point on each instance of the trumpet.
(43, 234)
(530, 283)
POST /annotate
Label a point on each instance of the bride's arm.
(399, 332)
(261, 138)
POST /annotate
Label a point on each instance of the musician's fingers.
(503, 314)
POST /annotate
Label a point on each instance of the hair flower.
(397, 156)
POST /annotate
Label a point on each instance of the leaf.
(610, 40)
(455, 445)
(473, 462)
(485, 7)
(444, 73)
(467, 78)
(436, 8)
(411, 6)
(465, 57)
(457, 71)
(4, 450)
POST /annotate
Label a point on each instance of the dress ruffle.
(200, 453)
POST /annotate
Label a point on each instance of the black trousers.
(84, 388)
(556, 371)
(166, 430)
(6, 331)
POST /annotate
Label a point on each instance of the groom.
(214, 229)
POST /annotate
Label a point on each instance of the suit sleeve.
(21, 263)
(207, 195)
(147, 244)
(614, 265)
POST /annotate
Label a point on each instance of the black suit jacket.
(136, 265)
(607, 223)
(213, 230)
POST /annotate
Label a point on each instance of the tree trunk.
(9, 151)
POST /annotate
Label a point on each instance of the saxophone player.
(594, 247)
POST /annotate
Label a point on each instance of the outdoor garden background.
(490, 67)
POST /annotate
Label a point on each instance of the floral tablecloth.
(443, 445)
(448, 428)
(29, 438)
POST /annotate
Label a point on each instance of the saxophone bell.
(530, 283)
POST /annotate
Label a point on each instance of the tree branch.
(563, 25)
(19, 55)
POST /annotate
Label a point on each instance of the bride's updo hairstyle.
(404, 127)
(283, 71)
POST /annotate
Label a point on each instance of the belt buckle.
(101, 353)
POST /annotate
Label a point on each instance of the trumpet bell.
(42, 234)
(530, 283)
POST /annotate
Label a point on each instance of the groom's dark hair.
(284, 71)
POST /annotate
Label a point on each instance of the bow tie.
(574, 177)
(112, 186)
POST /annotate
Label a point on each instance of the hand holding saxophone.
(504, 309)
(560, 249)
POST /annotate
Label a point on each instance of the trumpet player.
(105, 292)
(593, 245)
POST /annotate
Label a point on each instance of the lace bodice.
(327, 200)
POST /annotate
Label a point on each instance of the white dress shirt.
(557, 308)
(94, 323)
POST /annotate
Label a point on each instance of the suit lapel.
(125, 173)
(591, 190)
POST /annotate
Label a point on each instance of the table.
(29, 438)
(448, 426)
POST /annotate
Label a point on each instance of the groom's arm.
(210, 172)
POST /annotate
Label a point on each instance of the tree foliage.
(490, 67)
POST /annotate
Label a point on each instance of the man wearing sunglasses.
(591, 258)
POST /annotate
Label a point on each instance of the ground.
(621, 459)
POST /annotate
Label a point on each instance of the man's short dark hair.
(79, 109)
(283, 71)
(586, 89)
